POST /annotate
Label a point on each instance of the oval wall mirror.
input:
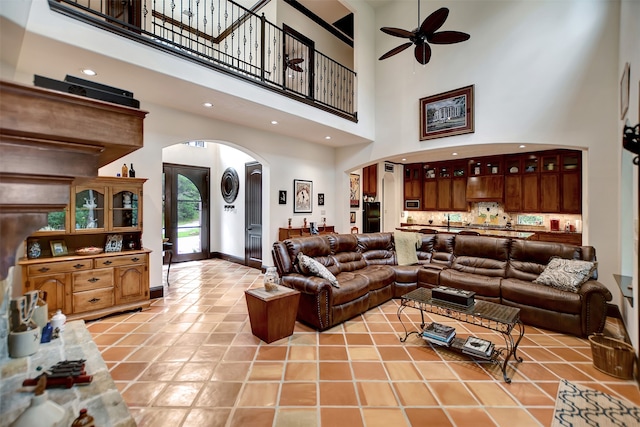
(229, 185)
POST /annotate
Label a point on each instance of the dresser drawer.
(92, 300)
(116, 261)
(93, 279)
(59, 267)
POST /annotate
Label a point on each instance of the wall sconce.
(631, 140)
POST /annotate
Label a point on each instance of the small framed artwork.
(354, 190)
(282, 197)
(302, 193)
(320, 199)
(114, 243)
(58, 248)
(624, 91)
(446, 114)
(352, 217)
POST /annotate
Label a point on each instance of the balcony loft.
(231, 39)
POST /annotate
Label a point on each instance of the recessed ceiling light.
(88, 72)
(327, 137)
(454, 154)
(207, 104)
(273, 122)
(404, 160)
(522, 146)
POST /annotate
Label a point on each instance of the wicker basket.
(612, 356)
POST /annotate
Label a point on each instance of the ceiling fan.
(425, 34)
(293, 63)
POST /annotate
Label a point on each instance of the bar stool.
(168, 247)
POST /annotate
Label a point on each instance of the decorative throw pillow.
(406, 243)
(309, 265)
(566, 274)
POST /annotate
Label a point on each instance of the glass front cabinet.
(99, 266)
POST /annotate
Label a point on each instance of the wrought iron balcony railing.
(225, 36)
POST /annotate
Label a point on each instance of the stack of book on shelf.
(438, 333)
(478, 347)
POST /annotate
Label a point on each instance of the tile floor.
(191, 360)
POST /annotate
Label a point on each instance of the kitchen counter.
(482, 231)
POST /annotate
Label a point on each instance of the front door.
(253, 215)
(186, 211)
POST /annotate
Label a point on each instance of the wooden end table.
(272, 314)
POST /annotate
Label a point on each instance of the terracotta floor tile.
(385, 339)
(436, 417)
(272, 353)
(568, 354)
(178, 354)
(567, 372)
(336, 393)
(160, 417)
(294, 417)
(252, 417)
(116, 353)
(543, 415)
(470, 417)
(145, 354)
(529, 394)
(363, 353)
(215, 394)
(369, 371)
(376, 393)
(379, 327)
(470, 371)
(301, 371)
(220, 338)
(108, 338)
(627, 391)
(298, 394)
(266, 371)
(375, 417)
(333, 353)
(334, 417)
(402, 371)
(178, 394)
(160, 371)
(490, 393)
(452, 394)
(303, 353)
(259, 394)
(240, 354)
(304, 339)
(141, 394)
(335, 371)
(393, 353)
(423, 354)
(195, 371)
(414, 394)
(536, 372)
(207, 417)
(509, 417)
(435, 371)
(127, 371)
(331, 339)
(359, 339)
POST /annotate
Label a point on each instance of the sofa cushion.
(566, 274)
(349, 261)
(530, 294)
(443, 249)
(352, 286)
(342, 243)
(374, 241)
(379, 276)
(484, 286)
(406, 244)
(528, 258)
(308, 265)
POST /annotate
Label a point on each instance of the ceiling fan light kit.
(425, 34)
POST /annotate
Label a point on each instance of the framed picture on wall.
(354, 190)
(302, 193)
(446, 114)
(352, 217)
(624, 91)
(320, 199)
(282, 197)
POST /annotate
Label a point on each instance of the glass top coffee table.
(496, 317)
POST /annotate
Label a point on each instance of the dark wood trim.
(156, 292)
(324, 24)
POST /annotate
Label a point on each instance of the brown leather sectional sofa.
(501, 270)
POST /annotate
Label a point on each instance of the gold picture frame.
(58, 248)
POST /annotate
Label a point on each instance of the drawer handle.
(93, 280)
(78, 266)
(135, 259)
(107, 263)
(94, 300)
(43, 269)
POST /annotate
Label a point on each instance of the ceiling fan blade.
(296, 60)
(433, 22)
(395, 50)
(448, 37)
(397, 32)
(295, 67)
(422, 53)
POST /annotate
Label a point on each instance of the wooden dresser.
(287, 233)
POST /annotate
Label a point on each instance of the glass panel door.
(89, 209)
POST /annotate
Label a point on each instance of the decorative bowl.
(91, 250)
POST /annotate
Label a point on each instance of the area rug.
(580, 406)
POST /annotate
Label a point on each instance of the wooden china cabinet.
(105, 214)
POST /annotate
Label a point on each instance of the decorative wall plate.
(229, 185)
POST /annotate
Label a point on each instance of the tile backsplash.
(490, 213)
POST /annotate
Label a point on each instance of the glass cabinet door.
(88, 209)
(125, 208)
(57, 222)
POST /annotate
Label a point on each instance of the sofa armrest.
(306, 284)
(594, 308)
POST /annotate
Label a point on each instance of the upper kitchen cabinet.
(430, 187)
(370, 180)
(513, 183)
(571, 181)
(413, 186)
